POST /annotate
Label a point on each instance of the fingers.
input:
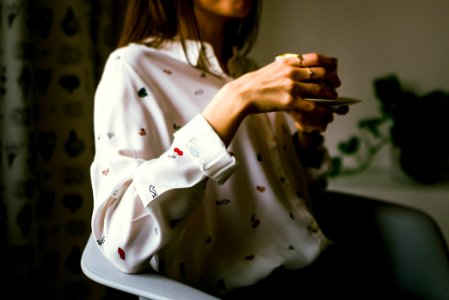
(320, 74)
(310, 60)
(314, 90)
(312, 68)
(316, 60)
(315, 120)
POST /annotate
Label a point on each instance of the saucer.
(340, 101)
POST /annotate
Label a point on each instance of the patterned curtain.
(52, 54)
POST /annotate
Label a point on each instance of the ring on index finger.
(301, 59)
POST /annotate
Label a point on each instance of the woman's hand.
(279, 86)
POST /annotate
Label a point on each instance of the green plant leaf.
(372, 125)
(336, 166)
(350, 146)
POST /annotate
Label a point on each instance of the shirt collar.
(173, 48)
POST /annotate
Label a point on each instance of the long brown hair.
(160, 20)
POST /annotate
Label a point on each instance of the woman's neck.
(211, 29)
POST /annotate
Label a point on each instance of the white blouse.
(167, 192)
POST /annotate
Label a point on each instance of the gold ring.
(301, 59)
(310, 73)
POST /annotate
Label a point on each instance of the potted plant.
(416, 126)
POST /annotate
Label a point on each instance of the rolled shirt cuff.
(207, 149)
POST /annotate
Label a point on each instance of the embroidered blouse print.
(167, 193)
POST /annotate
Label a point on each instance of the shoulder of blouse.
(132, 53)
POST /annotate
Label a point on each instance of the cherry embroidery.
(121, 252)
(177, 151)
(142, 132)
(105, 172)
(254, 222)
(167, 71)
(260, 188)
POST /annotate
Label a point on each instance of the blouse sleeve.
(145, 182)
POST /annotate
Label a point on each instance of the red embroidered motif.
(179, 152)
(142, 132)
(121, 252)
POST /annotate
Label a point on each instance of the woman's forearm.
(225, 113)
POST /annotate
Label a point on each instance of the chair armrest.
(145, 285)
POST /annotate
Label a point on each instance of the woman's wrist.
(225, 113)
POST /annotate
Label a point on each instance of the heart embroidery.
(260, 188)
(121, 252)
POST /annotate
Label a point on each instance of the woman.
(196, 172)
